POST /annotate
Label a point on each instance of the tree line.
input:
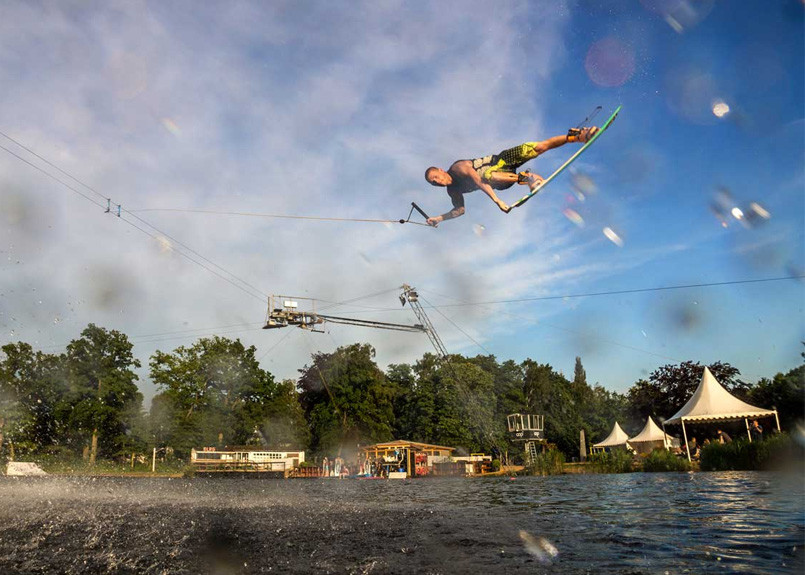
(85, 402)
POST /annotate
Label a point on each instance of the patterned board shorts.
(506, 161)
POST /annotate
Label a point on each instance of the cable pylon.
(410, 296)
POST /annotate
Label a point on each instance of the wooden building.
(402, 458)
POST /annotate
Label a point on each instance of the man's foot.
(530, 179)
(582, 135)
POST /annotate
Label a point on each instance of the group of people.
(337, 467)
(334, 468)
(722, 437)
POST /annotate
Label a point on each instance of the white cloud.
(271, 109)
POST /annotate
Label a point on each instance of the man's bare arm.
(457, 211)
(454, 213)
(487, 189)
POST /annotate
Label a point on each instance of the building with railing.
(245, 459)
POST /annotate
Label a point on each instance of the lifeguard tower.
(528, 428)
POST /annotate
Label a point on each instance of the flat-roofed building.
(245, 459)
(402, 456)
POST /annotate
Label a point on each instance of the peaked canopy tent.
(616, 438)
(711, 402)
(651, 437)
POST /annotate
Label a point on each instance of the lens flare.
(680, 15)
(759, 210)
(171, 126)
(610, 62)
(539, 547)
(613, 237)
(583, 185)
(574, 217)
(164, 244)
(720, 108)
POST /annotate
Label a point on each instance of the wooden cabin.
(411, 458)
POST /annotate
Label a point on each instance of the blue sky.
(309, 108)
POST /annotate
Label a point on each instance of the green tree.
(579, 375)
(465, 407)
(217, 393)
(602, 410)
(346, 399)
(669, 387)
(550, 394)
(31, 390)
(103, 394)
(786, 393)
(283, 420)
(402, 378)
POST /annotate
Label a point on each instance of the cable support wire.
(455, 325)
(369, 296)
(280, 216)
(568, 296)
(621, 292)
(252, 291)
(560, 328)
(324, 381)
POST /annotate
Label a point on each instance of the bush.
(552, 462)
(615, 461)
(741, 455)
(664, 460)
(496, 465)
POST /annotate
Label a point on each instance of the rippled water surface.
(635, 523)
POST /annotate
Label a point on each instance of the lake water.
(735, 522)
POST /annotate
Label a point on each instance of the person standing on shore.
(756, 431)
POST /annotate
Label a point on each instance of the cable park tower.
(528, 429)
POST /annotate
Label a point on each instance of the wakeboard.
(536, 189)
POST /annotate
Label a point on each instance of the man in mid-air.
(497, 172)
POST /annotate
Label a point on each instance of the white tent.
(616, 438)
(711, 402)
(651, 436)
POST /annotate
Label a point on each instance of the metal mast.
(410, 295)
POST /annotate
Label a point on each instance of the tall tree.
(217, 392)
(346, 399)
(31, 389)
(669, 387)
(466, 407)
(579, 375)
(100, 366)
(550, 394)
(283, 420)
(786, 393)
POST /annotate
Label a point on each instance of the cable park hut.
(401, 458)
(617, 439)
(652, 437)
(711, 403)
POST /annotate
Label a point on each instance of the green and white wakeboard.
(570, 160)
